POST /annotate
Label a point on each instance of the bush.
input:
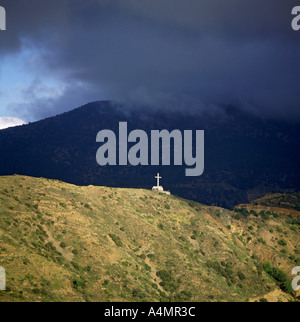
(282, 242)
(147, 268)
(78, 283)
(241, 212)
(263, 300)
(182, 238)
(75, 265)
(241, 275)
(292, 257)
(196, 233)
(280, 277)
(226, 271)
(293, 221)
(183, 296)
(168, 281)
(138, 294)
(116, 240)
(63, 245)
(88, 268)
(237, 217)
(165, 276)
(160, 226)
(87, 206)
(264, 215)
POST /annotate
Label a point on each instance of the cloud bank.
(194, 54)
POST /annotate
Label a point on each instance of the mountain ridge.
(244, 156)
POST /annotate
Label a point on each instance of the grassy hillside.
(60, 242)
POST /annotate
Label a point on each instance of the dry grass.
(60, 242)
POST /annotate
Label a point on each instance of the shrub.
(87, 206)
(151, 256)
(165, 276)
(75, 265)
(116, 240)
(264, 215)
(263, 300)
(88, 268)
(182, 238)
(160, 226)
(226, 271)
(292, 257)
(147, 268)
(78, 283)
(63, 245)
(280, 277)
(282, 242)
(137, 293)
(168, 281)
(241, 275)
(36, 291)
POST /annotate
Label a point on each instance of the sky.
(197, 55)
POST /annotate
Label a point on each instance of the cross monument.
(158, 177)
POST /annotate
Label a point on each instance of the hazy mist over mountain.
(172, 54)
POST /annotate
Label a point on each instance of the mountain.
(61, 242)
(245, 156)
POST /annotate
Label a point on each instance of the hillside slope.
(60, 242)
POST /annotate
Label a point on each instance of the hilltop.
(61, 242)
(244, 156)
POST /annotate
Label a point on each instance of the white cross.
(158, 177)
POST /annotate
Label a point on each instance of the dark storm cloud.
(163, 53)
